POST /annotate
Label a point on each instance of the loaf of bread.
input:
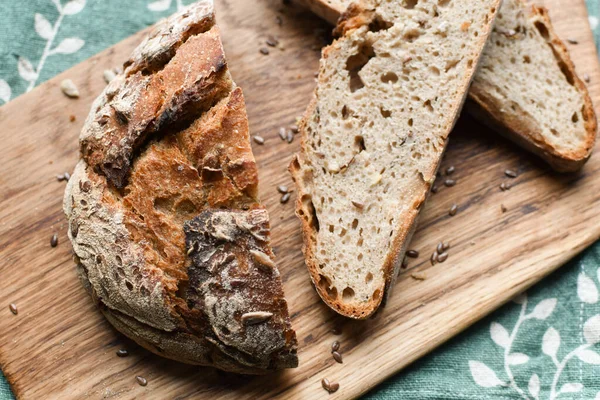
(388, 94)
(170, 238)
(526, 87)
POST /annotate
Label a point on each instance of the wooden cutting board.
(60, 347)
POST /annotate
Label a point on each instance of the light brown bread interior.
(389, 92)
(526, 87)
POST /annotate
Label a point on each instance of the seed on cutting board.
(434, 189)
(258, 139)
(412, 253)
(442, 257)
(284, 199)
(335, 346)
(72, 118)
(572, 41)
(586, 78)
(503, 208)
(434, 257)
(69, 89)
(13, 308)
(449, 182)
(122, 353)
(510, 173)
(282, 189)
(54, 240)
(108, 75)
(445, 246)
(358, 205)
(141, 380)
(450, 170)
(282, 133)
(272, 41)
(505, 186)
(294, 128)
(63, 177)
(337, 357)
(289, 136)
(336, 330)
(264, 51)
(330, 387)
(440, 248)
(453, 210)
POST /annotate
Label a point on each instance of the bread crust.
(170, 238)
(359, 16)
(521, 128)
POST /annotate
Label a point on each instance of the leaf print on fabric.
(483, 375)
(43, 27)
(499, 335)
(571, 388)
(591, 330)
(588, 356)
(517, 358)
(73, 7)
(534, 386)
(586, 289)
(5, 91)
(160, 5)
(544, 309)
(26, 69)
(68, 46)
(551, 343)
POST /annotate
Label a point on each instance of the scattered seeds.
(419, 276)
(285, 198)
(63, 177)
(282, 189)
(337, 357)
(272, 41)
(505, 186)
(258, 139)
(358, 205)
(122, 353)
(336, 330)
(13, 308)
(54, 240)
(412, 253)
(289, 136)
(256, 317)
(330, 387)
(69, 89)
(503, 208)
(335, 346)
(294, 129)
(450, 170)
(434, 257)
(141, 380)
(263, 261)
(282, 133)
(510, 173)
(453, 210)
(109, 75)
(264, 51)
(440, 248)
(445, 246)
(434, 189)
(442, 257)
(449, 182)
(72, 118)
(404, 263)
(572, 41)
(586, 78)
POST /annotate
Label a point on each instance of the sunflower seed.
(258, 139)
(330, 387)
(412, 253)
(572, 41)
(440, 248)
(69, 89)
(282, 133)
(141, 380)
(510, 173)
(294, 129)
(54, 240)
(442, 257)
(263, 261)
(449, 182)
(13, 308)
(289, 136)
(122, 353)
(335, 346)
(285, 198)
(256, 317)
(434, 257)
(453, 210)
(282, 189)
(264, 51)
(450, 170)
(505, 186)
(445, 246)
(434, 189)
(337, 357)
(272, 41)
(586, 78)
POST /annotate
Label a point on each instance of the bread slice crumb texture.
(388, 94)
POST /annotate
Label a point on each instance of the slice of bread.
(169, 235)
(526, 87)
(389, 92)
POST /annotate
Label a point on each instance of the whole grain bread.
(526, 87)
(389, 92)
(170, 238)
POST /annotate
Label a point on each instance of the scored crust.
(170, 238)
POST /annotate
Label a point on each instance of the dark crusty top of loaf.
(171, 239)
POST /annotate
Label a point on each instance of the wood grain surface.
(60, 347)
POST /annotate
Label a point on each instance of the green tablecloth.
(542, 346)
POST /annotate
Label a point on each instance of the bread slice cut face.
(388, 94)
(170, 238)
